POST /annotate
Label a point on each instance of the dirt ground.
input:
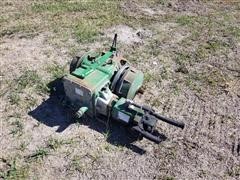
(189, 52)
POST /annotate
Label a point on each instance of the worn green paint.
(130, 88)
(98, 68)
(98, 63)
(135, 85)
(96, 71)
(122, 107)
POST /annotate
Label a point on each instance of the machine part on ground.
(103, 85)
(75, 63)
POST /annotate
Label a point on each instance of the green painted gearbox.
(97, 79)
(102, 86)
(98, 68)
(93, 61)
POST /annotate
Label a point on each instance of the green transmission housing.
(102, 86)
(100, 75)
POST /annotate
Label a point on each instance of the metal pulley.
(127, 82)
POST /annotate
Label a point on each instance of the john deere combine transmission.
(102, 86)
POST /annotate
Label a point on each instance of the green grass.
(83, 163)
(193, 84)
(168, 178)
(23, 146)
(185, 20)
(77, 165)
(107, 134)
(28, 79)
(39, 154)
(55, 144)
(17, 128)
(14, 171)
(59, 6)
(3, 19)
(74, 6)
(42, 87)
(147, 77)
(19, 27)
(155, 102)
(107, 147)
(211, 35)
(175, 87)
(161, 75)
(183, 57)
(14, 98)
(83, 20)
(56, 70)
(92, 16)
(210, 48)
(30, 102)
(233, 30)
(86, 31)
(216, 78)
(152, 47)
(198, 81)
(214, 44)
(234, 171)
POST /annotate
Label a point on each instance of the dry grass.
(189, 53)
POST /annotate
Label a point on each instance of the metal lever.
(147, 135)
(114, 43)
(168, 120)
(162, 118)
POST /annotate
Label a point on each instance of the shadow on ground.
(51, 113)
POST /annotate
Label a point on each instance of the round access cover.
(129, 83)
